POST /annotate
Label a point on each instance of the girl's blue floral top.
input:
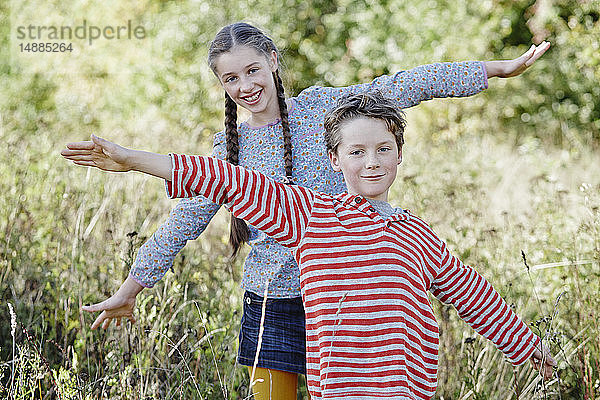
(261, 149)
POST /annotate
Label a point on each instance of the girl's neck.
(267, 117)
(259, 120)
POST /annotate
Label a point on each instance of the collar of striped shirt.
(361, 204)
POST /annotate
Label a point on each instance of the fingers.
(112, 308)
(105, 321)
(543, 362)
(84, 145)
(101, 320)
(88, 151)
(530, 52)
(75, 153)
(547, 371)
(103, 305)
(85, 163)
(522, 59)
(539, 51)
(81, 157)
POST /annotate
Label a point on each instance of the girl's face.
(247, 77)
(368, 156)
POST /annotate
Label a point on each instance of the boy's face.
(368, 156)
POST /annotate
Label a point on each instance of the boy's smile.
(368, 156)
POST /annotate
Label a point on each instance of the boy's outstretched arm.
(510, 68)
(108, 156)
(480, 306)
(280, 210)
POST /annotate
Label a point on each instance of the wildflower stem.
(260, 334)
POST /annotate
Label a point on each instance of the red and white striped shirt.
(370, 328)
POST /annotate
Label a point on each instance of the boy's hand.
(119, 305)
(510, 68)
(99, 153)
(543, 362)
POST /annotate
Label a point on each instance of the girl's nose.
(246, 85)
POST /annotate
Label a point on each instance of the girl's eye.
(253, 70)
(230, 79)
(384, 149)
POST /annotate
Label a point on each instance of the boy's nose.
(372, 162)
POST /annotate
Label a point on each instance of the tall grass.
(70, 236)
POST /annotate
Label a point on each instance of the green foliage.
(514, 169)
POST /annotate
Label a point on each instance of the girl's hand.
(119, 305)
(510, 68)
(543, 362)
(99, 153)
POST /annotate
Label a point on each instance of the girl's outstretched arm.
(108, 156)
(510, 68)
(425, 82)
(119, 305)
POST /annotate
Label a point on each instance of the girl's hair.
(369, 104)
(243, 34)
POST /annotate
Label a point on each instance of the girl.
(364, 266)
(246, 62)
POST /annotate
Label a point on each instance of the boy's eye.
(253, 70)
(355, 152)
(384, 149)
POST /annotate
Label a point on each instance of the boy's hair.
(369, 104)
(241, 33)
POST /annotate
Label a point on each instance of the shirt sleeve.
(479, 305)
(279, 210)
(411, 87)
(187, 220)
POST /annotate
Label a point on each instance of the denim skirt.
(283, 342)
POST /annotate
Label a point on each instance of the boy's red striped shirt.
(371, 331)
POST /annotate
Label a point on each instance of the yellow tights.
(275, 385)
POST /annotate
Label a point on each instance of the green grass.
(514, 171)
(70, 234)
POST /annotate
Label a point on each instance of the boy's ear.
(335, 161)
(399, 156)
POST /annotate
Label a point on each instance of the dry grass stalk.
(338, 321)
(260, 333)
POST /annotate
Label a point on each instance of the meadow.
(509, 178)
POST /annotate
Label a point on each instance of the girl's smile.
(253, 98)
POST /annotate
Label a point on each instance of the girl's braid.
(287, 137)
(238, 234)
(231, 133)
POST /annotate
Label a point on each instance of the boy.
(365, 267)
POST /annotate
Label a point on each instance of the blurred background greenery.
(513, 169)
